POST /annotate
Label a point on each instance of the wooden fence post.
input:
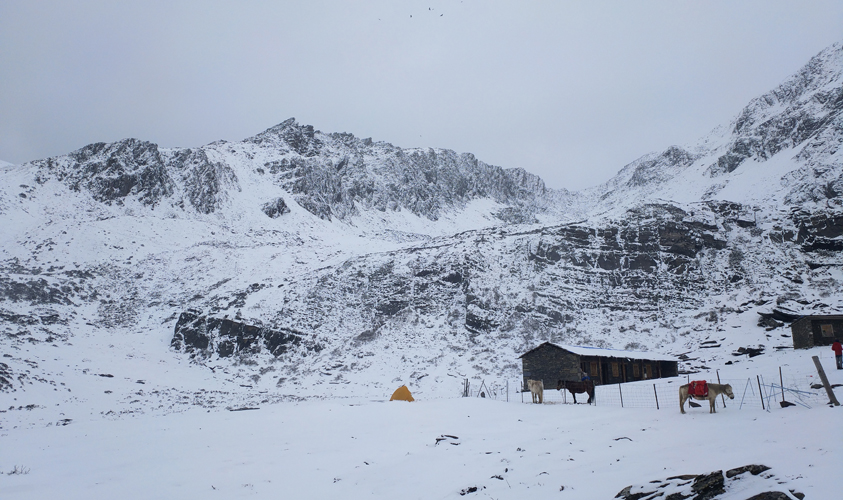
(760, 394)
(781, 383)
(621, 393)
(657, 396)
(831, 398)
(721, 394)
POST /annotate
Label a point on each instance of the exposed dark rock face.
(770, 495)
(649, 237)
(300, 139)
(708, 486)
(753, 469)
(35, 291)
(819, 230)
(205, 182)
(711, 486)
(6, 377)
(202, 335)
(111, 172)
(382, 177)
(275, 208)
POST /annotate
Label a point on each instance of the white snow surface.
(359, 447)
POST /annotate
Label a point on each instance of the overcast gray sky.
(571, 91)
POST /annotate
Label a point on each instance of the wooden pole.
(764, 385)
(657, 396)
(760, 394)
(621, 393)
(831, 398)
(781, 383)
(722, 397)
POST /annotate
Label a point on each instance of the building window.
(595, 371)
(636, 371)
(615, 371)
(648, 371)
(827, 330)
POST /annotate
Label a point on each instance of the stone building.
(810, 331)
(551, 363)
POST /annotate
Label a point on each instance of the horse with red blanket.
(700, 389)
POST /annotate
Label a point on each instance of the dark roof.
(543, 344)
(821, 317)
(603, 353)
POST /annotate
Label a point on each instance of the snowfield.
(356, 447)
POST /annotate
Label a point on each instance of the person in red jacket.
(838, 353)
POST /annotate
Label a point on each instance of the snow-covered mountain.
(298, 259)
(782, 149)
(332, 176)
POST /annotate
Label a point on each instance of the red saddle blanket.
(698, 388)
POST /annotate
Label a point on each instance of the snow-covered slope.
(355, 448)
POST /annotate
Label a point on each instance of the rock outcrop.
(111, 172)
(198, 334)
(759, 484)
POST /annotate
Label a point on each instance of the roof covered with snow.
(607, 353)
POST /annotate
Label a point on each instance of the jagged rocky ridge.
(800, 121)
(330, 175)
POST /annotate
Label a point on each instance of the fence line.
(751, 393)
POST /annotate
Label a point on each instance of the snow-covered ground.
(359, 447)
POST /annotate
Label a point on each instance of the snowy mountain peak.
(799, 109)
(783, 148)
(819, 81)
(289, 135)
(332, 176)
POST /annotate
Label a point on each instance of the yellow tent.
(402, 394)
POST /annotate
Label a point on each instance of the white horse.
(714, 390)
(537, 390)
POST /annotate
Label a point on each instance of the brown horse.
(586, 386)
(714, 390)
